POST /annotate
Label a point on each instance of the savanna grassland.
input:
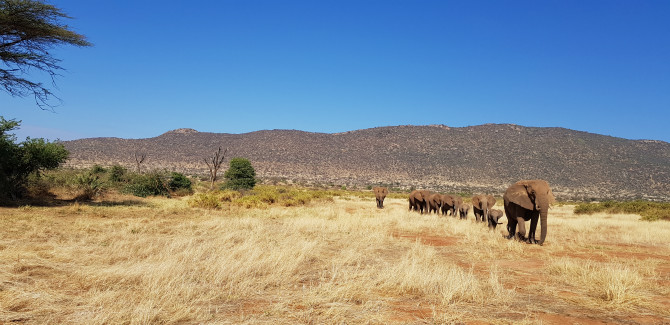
(131, 260)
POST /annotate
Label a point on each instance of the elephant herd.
(526, 200)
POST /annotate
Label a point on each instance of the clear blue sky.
(600, 66)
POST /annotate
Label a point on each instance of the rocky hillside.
(484, 158)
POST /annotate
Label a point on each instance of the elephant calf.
(494, 216)
(463, 210)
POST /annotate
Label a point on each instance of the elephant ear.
(517, 193)
(491, 201)
(475, 201)
(385, 191)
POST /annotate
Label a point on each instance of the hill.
(483, 158)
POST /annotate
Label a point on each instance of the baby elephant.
(494, 216)
(463, 210)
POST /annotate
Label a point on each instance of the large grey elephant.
(527, 200)
(494, 217)
(434, 202)
(481, 206)
(418, 200)
(458, 201)
(380, 195)
(448, 204)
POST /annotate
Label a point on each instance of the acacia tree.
(29, 29)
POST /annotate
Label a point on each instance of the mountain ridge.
(481, 158)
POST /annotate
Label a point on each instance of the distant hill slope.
(484, 158)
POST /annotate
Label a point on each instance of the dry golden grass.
(158, 261)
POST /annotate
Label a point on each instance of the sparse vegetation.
(648, 210)
(261, 196)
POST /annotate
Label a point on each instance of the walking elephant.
(380, 195)
(463, 210)
(527, 200)
(494, 217)
(434, 202)
(447, 204)
(458, 201)
(481, 206)
(418, 200)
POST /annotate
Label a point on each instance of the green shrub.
(179, 181)
(97, 169)
(240, 175)
(144, 185)
(116, 174)
(89, 186)
(20, 160)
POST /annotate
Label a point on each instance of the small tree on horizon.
(240, 175)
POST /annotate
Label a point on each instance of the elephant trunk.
(544, 210)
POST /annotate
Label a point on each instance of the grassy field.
(156, 260)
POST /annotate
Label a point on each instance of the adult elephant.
(494, 217)
(380, 195)
(458, 201)
(447, 204)
(417, 201)
(527, 200)
(481, 206)
(463, 210)
(434, 202)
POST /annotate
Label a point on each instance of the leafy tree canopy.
(18, 160)
(240, 175)
(29, 29)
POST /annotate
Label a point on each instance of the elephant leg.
(522, 228)
(511, 221)
(535, 215)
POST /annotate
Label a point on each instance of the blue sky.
(600, 66)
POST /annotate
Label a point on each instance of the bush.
(89, 186)
(116, 174)
(240, 175)
(147, 185)
(97, 169)
(648, 210)
(179, 181)
(260, 197)
(208, 200)
(19, 160)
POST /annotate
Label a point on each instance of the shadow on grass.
(54, 202)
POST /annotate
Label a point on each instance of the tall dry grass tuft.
(617, 284)
(422, 273)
